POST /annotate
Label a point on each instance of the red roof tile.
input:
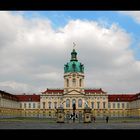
(136, 96)
(94, 91)
(8, 96)
(120, 97)
(31, 98)
(53, 91)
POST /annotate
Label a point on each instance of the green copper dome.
(74, 65)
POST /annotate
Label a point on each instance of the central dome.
(74, 65)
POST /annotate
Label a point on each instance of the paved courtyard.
(44, 125)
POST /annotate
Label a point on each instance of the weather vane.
(74, 45)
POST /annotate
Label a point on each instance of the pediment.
(74, 92)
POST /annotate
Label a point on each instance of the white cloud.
(33, 54)
(16, 87)
(134, 14)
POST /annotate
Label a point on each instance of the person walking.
(107, 118)
(94, 118)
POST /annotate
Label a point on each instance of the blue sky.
(60, 19)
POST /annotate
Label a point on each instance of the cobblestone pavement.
(44, 125)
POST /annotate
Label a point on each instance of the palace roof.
(120, 97)
(8, 96)
(31, 98)
(136, 96)
(94, 91)
(55, 91)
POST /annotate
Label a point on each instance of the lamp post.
(74, 108)
(87, 113)
(60, 113)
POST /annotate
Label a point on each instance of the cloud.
(33, 54)
(15, 87)
(134, 14)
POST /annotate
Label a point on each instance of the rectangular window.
(92, 104)
(114, 105)
(38, 105)
(49, 105)
(109, 105)
(122, 105)
(127, 105)
(104, 105)
(20, 105)
(98, 105)
(24, 105)
(33, 105)
(43, 105)
(55, 104)
(118, 105)
(29, 105)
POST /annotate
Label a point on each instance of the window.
(118, 114)
(49, 113)
(80, 103)
(38, 105)
(67, 82)
(24, 105)
(104, 105)
(33, 105)
(73, 102)
(44, 105)
(122, 105)
(67, 103)
(109, 105)
(92, 104)
(80, 82)
(114, 105)
(49, 105)
(98, 105)
(113, 113)
(20, 105)
(29, 105)
(127, 105)
(118, 105)
(55, 105)
(74, 82)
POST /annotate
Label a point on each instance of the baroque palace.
(46, 103)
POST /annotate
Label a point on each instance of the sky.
(35, 45)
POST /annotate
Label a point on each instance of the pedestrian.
(94, 118)
(76, 116)
(107, 118)
(70, 117)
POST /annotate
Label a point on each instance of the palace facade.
(74, 91)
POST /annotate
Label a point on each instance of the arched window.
(80, 82)
(67, 82)
(80, 103)
(74, 82)
(73, 101)
(67, 103)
